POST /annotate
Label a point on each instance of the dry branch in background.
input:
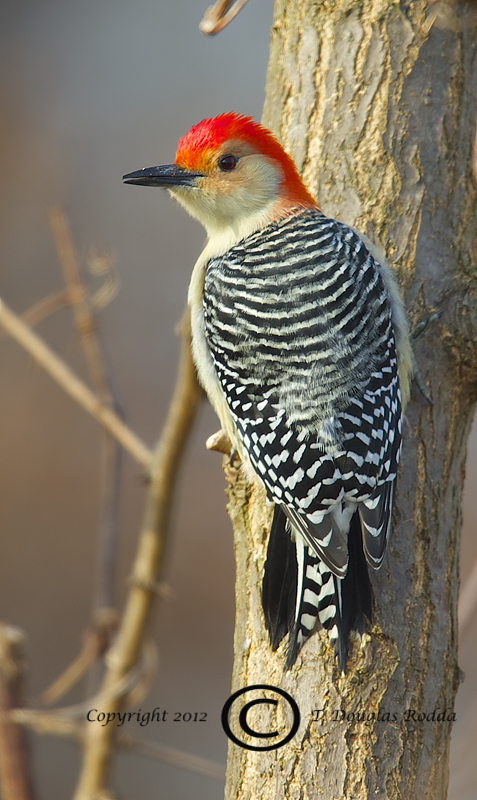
(99, 740)
(84, 311)
(96, 642)
(163, 463)
(123, 678)
(170, 755)
(219, 15)
(68, 723)
(16, 780)
(72, 385)
(380, 120)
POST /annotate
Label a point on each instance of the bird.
(301, 342)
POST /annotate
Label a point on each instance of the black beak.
(169, 175)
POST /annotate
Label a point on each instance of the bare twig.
(60, 372)
(147, 676)
(48, 722)
(15, 771)
(111, 454)
(66, 727)
(96, 642)
(100, 263)
(80, 301)
(38, 311)
(219, 15)
(219, 442)
(35, 717)
(170, 755)
(147, 568)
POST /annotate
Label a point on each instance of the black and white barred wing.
(298, 323)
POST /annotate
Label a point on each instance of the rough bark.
(380, 119)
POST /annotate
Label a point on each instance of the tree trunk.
(380, 119)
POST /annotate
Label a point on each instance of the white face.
(233, 190)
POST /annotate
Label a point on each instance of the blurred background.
(90, 91)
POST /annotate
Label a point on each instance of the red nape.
(205, 138)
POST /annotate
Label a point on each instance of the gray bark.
(380, 119)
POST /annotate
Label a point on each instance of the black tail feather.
(356, 592)
(279, 580)
(352, 597)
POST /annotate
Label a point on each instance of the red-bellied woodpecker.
(301, 343)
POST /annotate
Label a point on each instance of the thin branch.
(48, 722)
(147, 568)
(69, 720)
(219, 442)
(63, 375)
(170, 755)
(111, 454)
(124, 686)
(51, 724)
(100, 264)
(15, 770)
(38, 311)
(80, 301)
(219, 15)
(111, 471)
(96, 643)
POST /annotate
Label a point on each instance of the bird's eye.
(228, 162)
